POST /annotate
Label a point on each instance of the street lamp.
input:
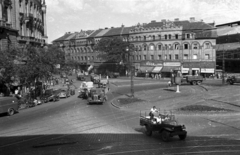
(128, 49)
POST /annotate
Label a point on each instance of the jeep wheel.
(148, 131)
(10, 112)
(199, 82)
(165, 135)
(182, 137)
(194, 83)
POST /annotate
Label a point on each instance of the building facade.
(22, 22)
(228, 47)
(160, 47)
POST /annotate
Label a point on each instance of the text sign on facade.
(150, 63)
(171, 64)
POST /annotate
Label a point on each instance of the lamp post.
(131, 67)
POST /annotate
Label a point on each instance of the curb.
(203, 87)
(114, 105)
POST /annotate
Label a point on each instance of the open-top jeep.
(165, 124)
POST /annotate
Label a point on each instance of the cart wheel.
(148, 131)
(10, 112)
(165, 135)
(182, 137)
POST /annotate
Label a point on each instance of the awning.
(145, 69)
(157, 69)
(170, 68)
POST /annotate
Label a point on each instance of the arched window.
(153, 37)
(145, 38)
(151, 47)
(139, 38)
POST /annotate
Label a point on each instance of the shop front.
(205, 69)
(169, 67)
(150, 69)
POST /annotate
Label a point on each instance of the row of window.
(160, 37)
(175, 46)
(186, 46)
(169, 57)
(144, 57)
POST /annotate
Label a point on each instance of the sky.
(76, 15)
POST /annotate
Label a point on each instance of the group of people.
(155, 116)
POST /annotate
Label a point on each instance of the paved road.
(70, 126)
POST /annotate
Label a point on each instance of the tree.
(40, 63)
(114, 51)
(7, 65)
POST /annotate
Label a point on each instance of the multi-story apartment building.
(228, 47)
(160, 47)
(22, 22)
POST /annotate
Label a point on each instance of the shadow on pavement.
(113, 144)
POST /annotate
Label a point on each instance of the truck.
(192, 79)
(9, 105)
(233, 79)
(164, 124)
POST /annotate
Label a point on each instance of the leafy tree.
(7, 65)
(114, 51)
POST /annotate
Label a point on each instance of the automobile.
(113, 74)
(65, 93)
(83, 93)
(50, 95)
(165, 124)
(95, 78)
(96, 96)
(9, 105)
(103, 83)
(233, 79)
(81, 78)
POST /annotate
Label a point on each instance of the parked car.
(50, 95)
(233, 79)
(95, 78)
(113, 74)
(167, 126)
(64, 93)
(9, 105)
(96, 96)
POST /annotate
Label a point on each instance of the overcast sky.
(76, 15)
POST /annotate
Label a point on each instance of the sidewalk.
(224, 99)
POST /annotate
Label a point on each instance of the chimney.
(122, 25)
(176, 19)
(164, 21)
(153, 21)
(192, 19)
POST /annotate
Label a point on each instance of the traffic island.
(203, 108)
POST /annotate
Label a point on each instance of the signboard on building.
(172, 64)
(151, 63)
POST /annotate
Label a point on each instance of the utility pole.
(132, 72)
(223, 68)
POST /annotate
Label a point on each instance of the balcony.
(28, 17)
(5, 24)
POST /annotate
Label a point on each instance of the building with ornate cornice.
(160, 47)
(22, 22)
